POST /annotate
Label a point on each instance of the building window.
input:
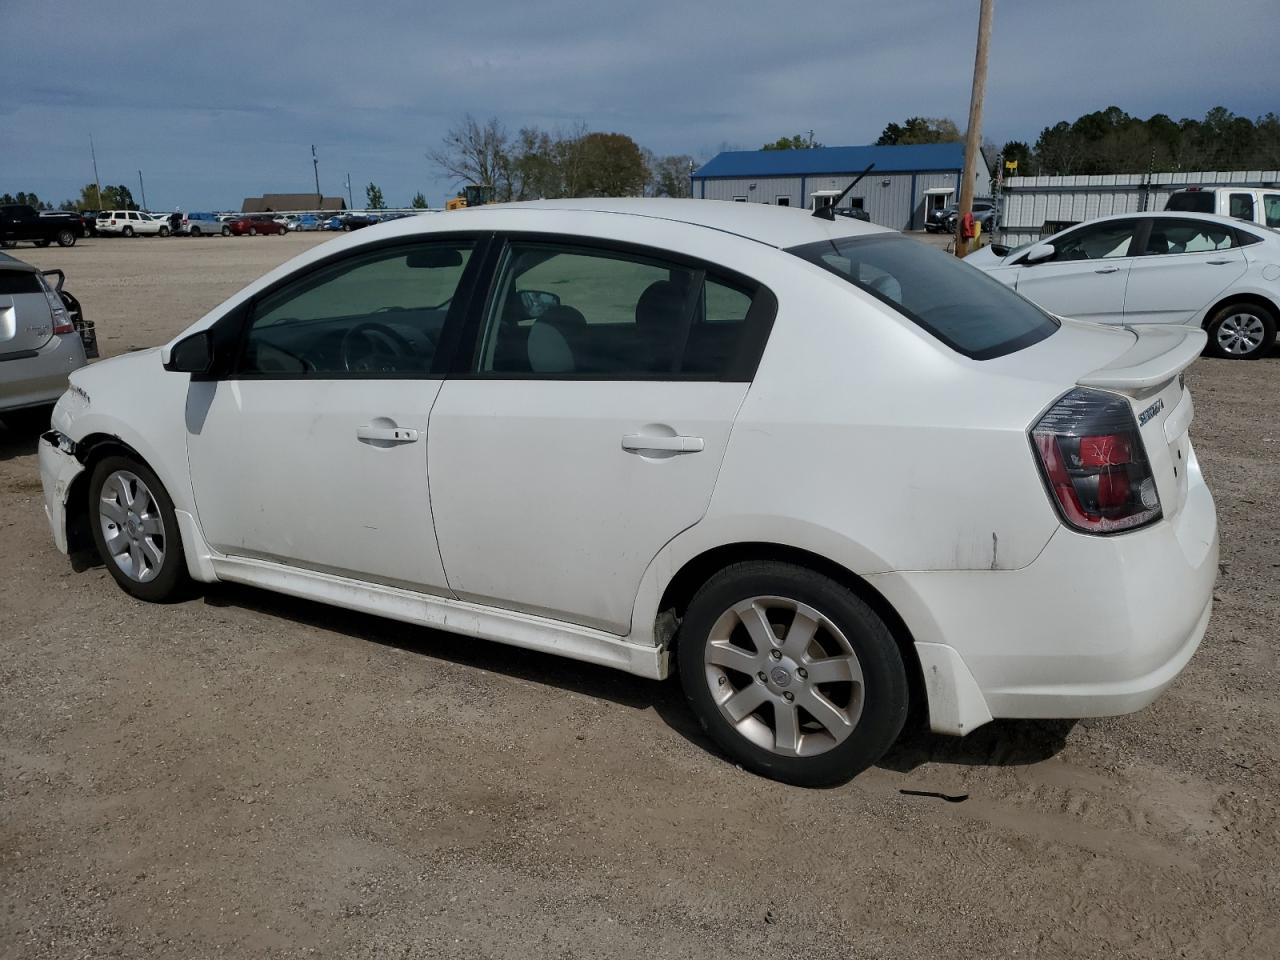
(739, 199)
(784, 201)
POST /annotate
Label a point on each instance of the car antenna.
(828, 212)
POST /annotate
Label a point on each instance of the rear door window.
(1241, 206)
(595, 313)
(967, 310)
(1187, 236)
(16, 282)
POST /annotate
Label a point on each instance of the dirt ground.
(246, 775)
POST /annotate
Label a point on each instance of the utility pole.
(96, 182)
(142, 190)
(351, 204)
(316, 165)
(973, 136)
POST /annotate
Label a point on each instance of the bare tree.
(474, 152)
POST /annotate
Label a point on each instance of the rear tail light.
(61, 319)
(1095, 463)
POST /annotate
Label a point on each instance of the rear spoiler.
(1160, 353)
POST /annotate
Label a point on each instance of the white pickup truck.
(1260, 205)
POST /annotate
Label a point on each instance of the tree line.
(533, 163)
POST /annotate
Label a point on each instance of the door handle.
(392, 434)
(1108, 270)
(1218, 263)
(640, 441)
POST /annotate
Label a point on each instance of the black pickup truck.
(20, 222)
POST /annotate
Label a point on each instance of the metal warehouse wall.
(889, 205)
(1029, 201)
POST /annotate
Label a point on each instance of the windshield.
(967, 310)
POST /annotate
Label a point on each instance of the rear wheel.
(791, 673)
(127, 232)
(195, 231)
(1241, 331)
(66, 238)
(253, 231)
(136, 530)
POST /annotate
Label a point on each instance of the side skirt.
(453, 616)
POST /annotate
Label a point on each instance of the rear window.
(1198, 202)
(14, 282)
(967, 310)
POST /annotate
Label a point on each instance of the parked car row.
(1186, 269)
(944, 220)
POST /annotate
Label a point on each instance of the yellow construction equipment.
(472, 195)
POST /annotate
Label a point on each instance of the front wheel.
(66, 238)
(164, 231)
(135, 529)
(253, 231)
(226, 231)
(791, 673)
(1241, 331)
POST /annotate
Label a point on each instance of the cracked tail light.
(1095, 464)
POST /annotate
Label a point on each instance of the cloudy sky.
(215, 101)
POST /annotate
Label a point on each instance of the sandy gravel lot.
(245, 775)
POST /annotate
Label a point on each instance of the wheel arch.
(89, 451)
(1256, 299)
(696, 571)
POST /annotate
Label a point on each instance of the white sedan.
(818, 468)
(1193, 269)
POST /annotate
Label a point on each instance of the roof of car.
(762, 222)
(896, 158)
(1180, 215)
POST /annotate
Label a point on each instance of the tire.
(863, 703)
(127, 232)
(152, 544)
(66, 238)
(195, 231)
(346, 228)
(1241, 331)
(253, 231)
(226, 231)
(164, 231)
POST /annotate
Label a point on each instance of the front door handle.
(1218, 263)
(1108, 270)
(392, 434)
(640, 441)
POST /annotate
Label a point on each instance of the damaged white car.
(817, 468)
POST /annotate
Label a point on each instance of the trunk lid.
(25, 321)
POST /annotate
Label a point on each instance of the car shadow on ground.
(1003, 743)
(20, 439)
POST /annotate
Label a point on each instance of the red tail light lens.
(1095, 463)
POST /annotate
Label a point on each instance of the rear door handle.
(393, 434)
(1218, 263)
(640, 441)
(1108, 270)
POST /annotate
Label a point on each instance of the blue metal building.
(907, 180)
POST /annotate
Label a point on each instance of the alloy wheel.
(784, 676)
(132, 526)
(1241, 333)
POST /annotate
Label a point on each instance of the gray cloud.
(215, 101)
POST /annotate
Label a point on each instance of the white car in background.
(823, 469)
(1190, 269)
(130, 223)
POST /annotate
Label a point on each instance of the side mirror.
(999, 249)
(1040, 253)
(192, 354)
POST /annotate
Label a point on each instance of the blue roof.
(834, 160)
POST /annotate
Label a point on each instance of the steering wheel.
(367, 360)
